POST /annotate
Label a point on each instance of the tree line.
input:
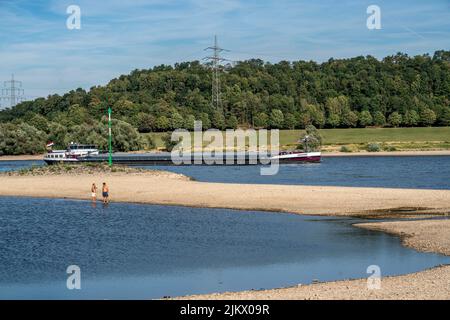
(398, 90)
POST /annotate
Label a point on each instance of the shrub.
(168, 143)
(148, 142)
(390, 148)
(345, 149)
(373, 147)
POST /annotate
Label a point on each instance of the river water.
(127, 251)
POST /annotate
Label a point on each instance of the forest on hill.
(396, 91)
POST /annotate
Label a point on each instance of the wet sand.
(423, 235)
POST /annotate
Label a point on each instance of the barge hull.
(159, 159)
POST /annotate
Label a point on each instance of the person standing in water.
(94, 192)
(105, 193)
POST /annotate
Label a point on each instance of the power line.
(13, 91)
(216, 59)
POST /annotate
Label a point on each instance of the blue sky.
(118, 36)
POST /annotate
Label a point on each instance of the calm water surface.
(394, 172)
(144, 251)
(19, 164)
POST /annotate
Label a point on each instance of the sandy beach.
(430, 284)
(159, 187)
(156, 187)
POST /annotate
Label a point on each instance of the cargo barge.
(77, 153)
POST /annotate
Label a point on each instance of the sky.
(118, 36)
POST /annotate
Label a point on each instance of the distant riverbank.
(24, 157)
(324, 154)
(388, 153)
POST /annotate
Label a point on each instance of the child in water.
(94, 192)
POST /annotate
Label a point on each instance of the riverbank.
(388, 153)
(324, 154)
(432, 284)
(158, 187)
(24, 157)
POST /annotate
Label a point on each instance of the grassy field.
(357, 139)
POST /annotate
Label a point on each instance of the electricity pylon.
(13, 91)
(215, 60)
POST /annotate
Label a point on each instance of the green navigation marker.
(110, 136)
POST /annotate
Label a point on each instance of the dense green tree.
(289, 121)
(218, 120)
(206, 123)
(444, 119)
(276, 119)
(261, 120)
(411, 118)
(379, 119)
(333, 120)
(57, 134)
(176, 121)
(318, 117)
(232, 122)
(395, 119)
(125, 137)
(21, 139)
(349, 119)
(427, 117)
(162, 123)
(39, 122)
(189, 122)
(365, 118)
(145, 122)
